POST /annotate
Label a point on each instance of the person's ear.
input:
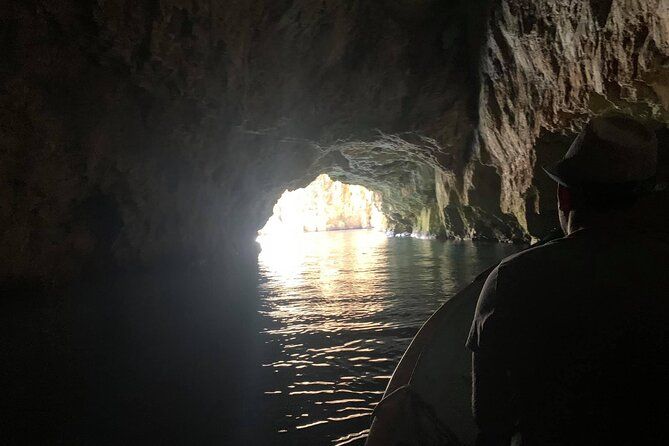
(565, 199)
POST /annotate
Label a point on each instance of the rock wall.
(138, 132)
(546, 66)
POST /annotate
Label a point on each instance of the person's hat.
(611, 150)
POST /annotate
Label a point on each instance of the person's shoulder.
(530, 256)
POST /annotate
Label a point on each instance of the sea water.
(337, 311)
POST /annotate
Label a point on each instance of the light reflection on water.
(340, 308)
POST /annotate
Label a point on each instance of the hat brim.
(556, 173)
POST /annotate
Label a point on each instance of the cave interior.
(146, 142)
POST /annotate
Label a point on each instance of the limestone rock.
(141, 131)
(546, 66)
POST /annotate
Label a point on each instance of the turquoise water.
(338, 309)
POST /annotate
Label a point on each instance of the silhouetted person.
(571, 339)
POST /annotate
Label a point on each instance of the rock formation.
(546, 66)
(141, 131)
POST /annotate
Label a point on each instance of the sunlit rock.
(325, 205)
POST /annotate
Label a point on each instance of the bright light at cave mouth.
(324, 205)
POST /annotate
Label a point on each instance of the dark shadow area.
(153, 358)
(541, 200)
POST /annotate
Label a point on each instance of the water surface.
(338, 310)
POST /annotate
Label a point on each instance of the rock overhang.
(188, 120)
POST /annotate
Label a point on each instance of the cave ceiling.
(152, 129)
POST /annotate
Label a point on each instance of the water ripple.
(340, 308)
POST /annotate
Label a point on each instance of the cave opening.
(342, 292)
(325, 205)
